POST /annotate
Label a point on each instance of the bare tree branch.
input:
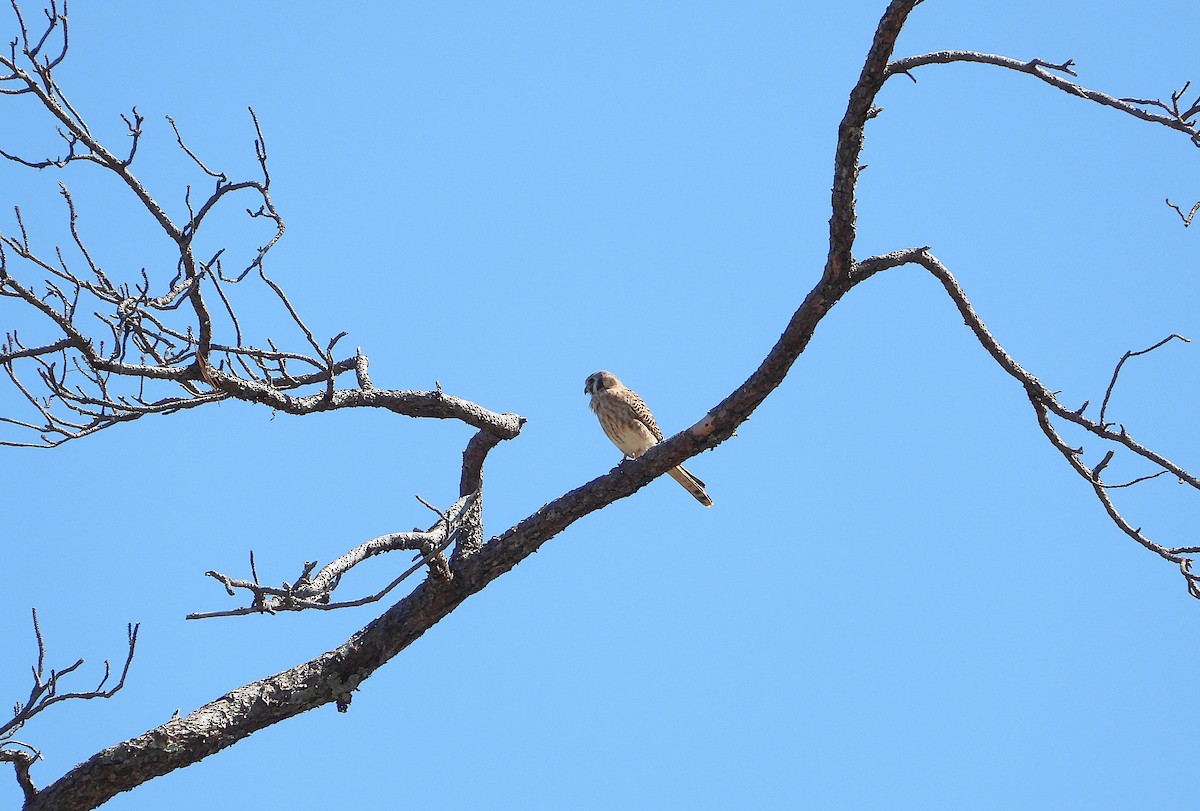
(1183, 121)
(146, 357)
(137, 325)
(22, 761)
(1045, 404)
(45, 692)
(1117, 371)
(1187, 218)
(315, 591)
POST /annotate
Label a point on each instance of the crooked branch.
(1046, 404)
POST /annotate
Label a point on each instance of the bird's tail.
(691, 484)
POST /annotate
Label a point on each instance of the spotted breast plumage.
(631, 427)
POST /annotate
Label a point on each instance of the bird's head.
(600, 381)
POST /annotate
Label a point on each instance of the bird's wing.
(642, 413)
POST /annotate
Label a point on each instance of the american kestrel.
(631, 427)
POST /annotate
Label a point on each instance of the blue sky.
(903, 597)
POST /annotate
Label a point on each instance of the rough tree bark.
(162, 351)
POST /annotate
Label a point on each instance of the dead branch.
(45, 692)
(460, 526)
(87, 389)
(21, 760)
(1045, 405)
(315, 591)
(119, 350)
(1117, 371)
(1181, 120)
(1187, 218)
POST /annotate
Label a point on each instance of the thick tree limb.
(850, 142)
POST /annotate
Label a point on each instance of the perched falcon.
(631, 427)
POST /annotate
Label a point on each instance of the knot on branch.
(1067, 67)
(343, 690)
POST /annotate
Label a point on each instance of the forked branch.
(315, 591)
(116, 350)
(45, 692)
(1046, 405)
